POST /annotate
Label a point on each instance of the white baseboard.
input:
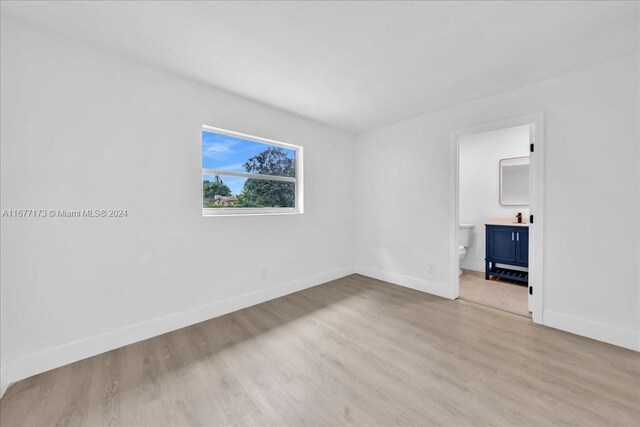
(473, 267)
(598, 331)
(68, 353)
(621, 337)
(438, 289)
(42, 361)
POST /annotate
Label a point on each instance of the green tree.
(214, 188)
(262, 193)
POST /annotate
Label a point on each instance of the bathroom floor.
(497, 293)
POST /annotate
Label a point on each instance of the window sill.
(248, 211)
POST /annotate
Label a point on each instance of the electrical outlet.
(263, 273)
(432, 268)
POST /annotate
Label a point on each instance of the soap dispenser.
(519, 217)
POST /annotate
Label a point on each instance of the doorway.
(496, 232)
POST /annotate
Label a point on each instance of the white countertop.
(507, 221)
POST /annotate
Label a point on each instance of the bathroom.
(494, 218)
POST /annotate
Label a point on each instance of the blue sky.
(230, 153)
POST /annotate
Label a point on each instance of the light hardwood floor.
(497, 293)
(354, 351)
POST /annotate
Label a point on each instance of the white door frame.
(536, 206)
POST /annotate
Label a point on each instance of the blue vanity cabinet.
(506, 245)
(522, 246)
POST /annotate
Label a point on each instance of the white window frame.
(297, 180)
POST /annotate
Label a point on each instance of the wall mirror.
(514, 181)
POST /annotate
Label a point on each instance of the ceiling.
(353, 65)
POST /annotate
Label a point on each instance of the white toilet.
(465, 240)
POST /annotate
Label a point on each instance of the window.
(244, 174)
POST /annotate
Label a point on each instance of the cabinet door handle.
(518, 237)
(512, 236)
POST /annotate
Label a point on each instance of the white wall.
(591, 192)
(86, 129)
(479, 157)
